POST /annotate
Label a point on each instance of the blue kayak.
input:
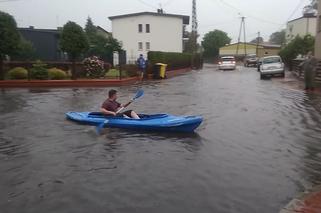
(157, 122)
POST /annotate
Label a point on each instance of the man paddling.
(111, 107)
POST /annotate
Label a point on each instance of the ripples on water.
(258, 147)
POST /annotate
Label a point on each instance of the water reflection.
(258, 147)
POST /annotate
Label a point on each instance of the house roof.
(185, 18)
(262, 45)
(302, 17)
(269, 45)
(39, 30)
(102, 29)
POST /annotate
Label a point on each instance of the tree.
(9, 38)
(90, 29)
(103, 47)
(191, 45)
(74, 42)
(298, 46)
(258, 40)
(100, 45)
(25, 51)
(278, 38)
(213, 41)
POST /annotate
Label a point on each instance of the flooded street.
(259, 146)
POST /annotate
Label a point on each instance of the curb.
(308, 202)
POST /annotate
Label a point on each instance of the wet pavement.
(258, 148)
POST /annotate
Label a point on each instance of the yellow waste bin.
(162, 71)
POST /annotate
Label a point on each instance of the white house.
(301, 26)
(148, 31)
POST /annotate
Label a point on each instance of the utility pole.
(258, 43)
(242, 27)
(318, 36)
(194, 26)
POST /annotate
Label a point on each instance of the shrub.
(114, 73)
(173, 60)
(39, 71)
(94, 67)
(298, 46)
(131, 70)
(18, 73)
(56, 74)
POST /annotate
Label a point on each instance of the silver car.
(272, 65)
(227, 63)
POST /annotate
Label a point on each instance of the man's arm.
(106, 112)
(126, 105)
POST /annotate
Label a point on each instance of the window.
(140, 45)
(147, 46)
(147, 28)
(272, 60)
(140, 28)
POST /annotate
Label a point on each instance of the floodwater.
(259, 146)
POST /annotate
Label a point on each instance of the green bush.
(131, 70)
(39, 71)
(298, 46)
(173, 60)
(18, 73)
(114, 73)
(56, 74)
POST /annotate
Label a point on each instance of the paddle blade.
(139, 94)
(101, 126)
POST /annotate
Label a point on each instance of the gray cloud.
(264, 16)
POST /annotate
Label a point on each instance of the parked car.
(272, 65)
(250, 60)
(227, 63)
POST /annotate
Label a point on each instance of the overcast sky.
(266, 16)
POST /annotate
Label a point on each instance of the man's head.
(112, 94)
(141, 55)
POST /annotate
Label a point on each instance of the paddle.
(138, 95)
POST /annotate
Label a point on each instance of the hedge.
(114, 73)
(173, 60)
(18, 73)
(56, 74)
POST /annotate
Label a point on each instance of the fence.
(298, 71)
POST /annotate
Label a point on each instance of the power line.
(1, 1)
(248, 15)
(295, 10)
(167, 3)
(292, 14)
(230, 6)
(147, 4)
